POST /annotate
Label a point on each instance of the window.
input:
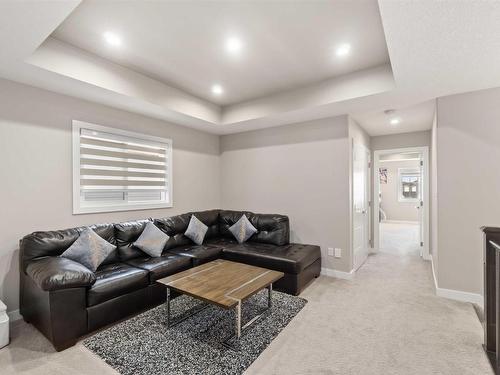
(117, 170)
(409, 185)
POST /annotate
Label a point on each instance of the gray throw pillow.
(196, 230)
(89, 249)
(152, 240)
(243, 229)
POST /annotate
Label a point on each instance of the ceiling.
(284, 45)
(286, 72)
(415, 118)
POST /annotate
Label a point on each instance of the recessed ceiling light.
(234, 45)
(217, 89)
(112, 39)
(395, 121)
(343, 50)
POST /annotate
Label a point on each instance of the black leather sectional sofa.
(65, 300)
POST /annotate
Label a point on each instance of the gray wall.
(468, 155)
(414, 139)
(301, 170)
(394, 209)
(36, 168)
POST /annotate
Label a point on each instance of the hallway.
(400, 238)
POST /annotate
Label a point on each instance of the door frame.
(424, 151)
(368, 206)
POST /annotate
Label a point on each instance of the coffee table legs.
(238, 326)
(270, 296)
(238, 320)
(168, 307)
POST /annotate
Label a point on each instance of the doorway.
(401, 196)
(361, 162)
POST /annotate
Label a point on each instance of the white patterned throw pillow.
(196, 230)
(243, 229)
(152, 240)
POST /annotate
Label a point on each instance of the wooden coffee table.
(223, 283)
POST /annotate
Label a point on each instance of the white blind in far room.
(118, 170)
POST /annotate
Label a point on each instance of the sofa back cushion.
(272, 228)
(126, 234)
(54, 243)
(175, 226)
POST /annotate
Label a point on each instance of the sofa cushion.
(243, 229)
(221, 242)
(55, 273)
(126, 234)
(291, 258)
(196, 230)
(273, 228)
(54, 243)
(89, 249)
(113, 280)
(163, 266)
(175, 227)
(152, 240)
(198, 254)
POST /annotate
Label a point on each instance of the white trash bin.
(4, 325)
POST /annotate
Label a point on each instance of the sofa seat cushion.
(113, 280)
(291, 258)
(163, 266)
(221, 242)
(198, 254)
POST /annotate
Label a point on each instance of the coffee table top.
(222, 282)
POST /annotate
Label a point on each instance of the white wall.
(300, 170)
(36, 168)
(393, 208)
(468, 159)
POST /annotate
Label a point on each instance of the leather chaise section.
(291, 258)
(114, 280)
(163, 266)
(54, 273)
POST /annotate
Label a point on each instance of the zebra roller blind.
(117, 170)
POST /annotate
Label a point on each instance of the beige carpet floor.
(387, 320)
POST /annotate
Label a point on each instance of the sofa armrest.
(55, 273)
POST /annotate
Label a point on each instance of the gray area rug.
(143, 344)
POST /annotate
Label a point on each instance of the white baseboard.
(14, 315)
(338, 274)
(456, 295)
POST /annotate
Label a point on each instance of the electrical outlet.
(330, 251)
(338, 253)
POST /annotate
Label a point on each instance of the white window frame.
(408, 171)
(78, 209)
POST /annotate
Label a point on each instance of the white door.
(360, 202)
(420, 207)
